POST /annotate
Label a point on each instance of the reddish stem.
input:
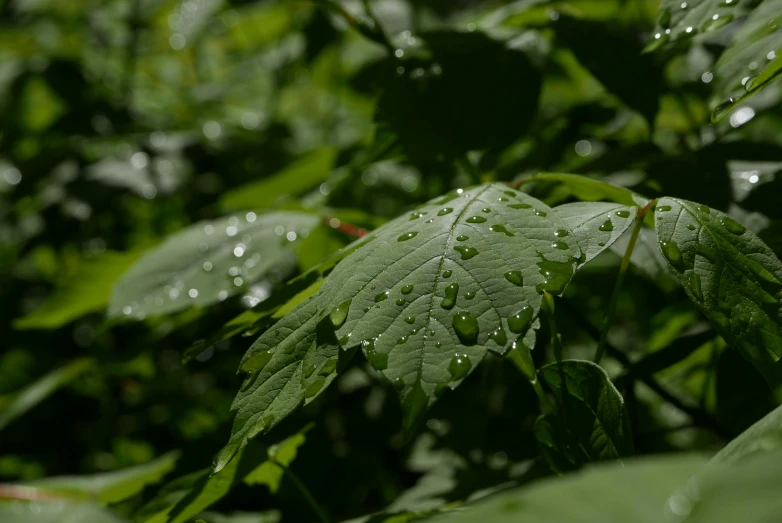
(347, 228)
(27, 493)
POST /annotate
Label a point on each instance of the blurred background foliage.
(123, 121)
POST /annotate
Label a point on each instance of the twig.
(306, 493)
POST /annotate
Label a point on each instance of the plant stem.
(306, 493)
(609, 318)
(556, 339)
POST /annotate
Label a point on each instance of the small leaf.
(680, 21)
(594, 225)
(87, 291)
(24, 400)
(281, 455)
(592, 425)
(763, 436)
(209, 262)
(302, 175)
(109, 487)
(591, 189)
(276, 382)
(749, 64)
(730, 275)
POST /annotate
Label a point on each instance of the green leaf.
(679, 21)
(109, 487)
(277, 380)
(209, 262)
(297, 178)
(87, 291)
(730, 275)
(48, 511)
(187, 496)
(646, 258)
(750, 63)
(613, 55)
(16, 405)
(425, 295)
(592, 425)
(763, 436)
(590, 189)
(595, 225)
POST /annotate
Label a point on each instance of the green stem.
(609, 318)
(556, 339)
(306, 493)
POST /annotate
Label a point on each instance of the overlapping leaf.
(763, 436)
(730, 274)
(681, 20)
(593, 424)
(209, 262)
(595, 225)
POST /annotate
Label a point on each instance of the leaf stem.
(609, 317)
(306, 493)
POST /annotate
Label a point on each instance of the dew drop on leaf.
(382, 296)
(410, 320)
(556, 274)
(502, 229)
(399, 384)
(704, 209)
(519, 322)
(444, 211)
(623, 214)
(520, 206)
(515, 277)
(407, 236)
(400, 301)
(732, 225)
(486, 210)
(690, 226)
(459, 366)
(499, 337)
(402, 340)
(607, 226)
(540, 213)
(561, 233)
(407, 289)
(476, 219)
(257, 362)
(694, 281)
(377, 360)
(339, 313)
(462, 238)
(447, 274)
(329, 367)
(560, 245)
(673, 254)
(466, 327)
(470, 295)
(450, 296)
(664, 208)
(466, 252)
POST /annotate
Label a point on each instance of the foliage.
(503, 261)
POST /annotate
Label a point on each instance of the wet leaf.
(730, 275)
(209, 262)
(680, 21)
(595, 225)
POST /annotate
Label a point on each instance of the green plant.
(460, 249)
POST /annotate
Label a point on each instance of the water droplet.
(510, 193)
(410, 320)
(623, 214)
(447, 274)
(462, 238)
(451, 292)
(476, 219)
(416, 215)
(561, 233)
(399, 384)
(601, 244)
(704, 209)
(560, 245)
(486, 210)
(499, 337)
(515, 277)
(466, 327)
(695, 285)
(540, 213)
(607, 226)
(466, 252)
(438, 344)
(519, 322)
(407, 236)
(401, 340)
(444, 211)
(257, 362)
(407, 289)
(378, 360)
(429, 221)
(382, 296)
(556, 274)
(673, 254)
(722, 109)
(520, 206)
(690, 226)
(502, 229)
(400, 301)
(459, 366)
(732, 225)
(339, 314)
(470, 295)
(345, 339)
(717, 21)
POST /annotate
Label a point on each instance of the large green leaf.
(595, 225)
(680, 21)
(750, 62)
(650, 490)
(592, 424)
(763, 436)
(730, 275)
(187, 496)
(209, 262)
(11, 407)
(109, 487)
(50, 511)
(425, 295)
(301, 175)
(87, 291)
